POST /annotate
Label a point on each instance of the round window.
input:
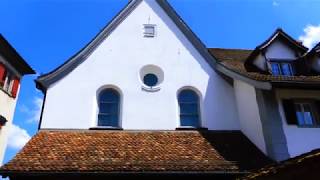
(150, 80)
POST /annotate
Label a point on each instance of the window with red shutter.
(2, 74)
(15, 87)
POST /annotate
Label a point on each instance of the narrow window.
(109, 107)
(189, 108)
(275, 68)
(304, 114)
(286, 69)
(149, 30)
(8, 82)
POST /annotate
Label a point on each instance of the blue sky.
(48, 32)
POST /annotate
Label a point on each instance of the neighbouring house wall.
(249, 116)
(315, 63)
(71, 103)
(299, 140)
(7, 107)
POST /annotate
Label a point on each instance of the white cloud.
(18, 137)
(311, 35)
(275, 3)
(33, 113)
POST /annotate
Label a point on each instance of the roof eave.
(6, 173)
(278, 32)
(45, 80)
(22, 66)
(296, 84)
(235, 75)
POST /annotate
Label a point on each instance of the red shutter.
(2, 74)
(15, 87)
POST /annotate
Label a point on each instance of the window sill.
(192, 128)
(150, 89)
(105, 128)
(315, 126)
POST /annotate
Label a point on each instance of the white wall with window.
(149, 72)
(299, 111)
(9, 89)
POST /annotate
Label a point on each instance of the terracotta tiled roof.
(133, 151)
(234, 59)
(305, 166)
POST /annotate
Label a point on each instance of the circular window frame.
(151, 69)
(153, 81)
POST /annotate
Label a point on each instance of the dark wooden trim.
(192, 129)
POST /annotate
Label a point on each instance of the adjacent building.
(12, 69)
(145, 98)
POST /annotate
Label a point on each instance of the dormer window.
(149, 30)
(282, 68)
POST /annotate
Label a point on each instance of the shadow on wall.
(235, 147)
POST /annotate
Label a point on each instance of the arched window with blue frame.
(189, 108)
(109, 108)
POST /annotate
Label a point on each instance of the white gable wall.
(279, 49)
(71, 102)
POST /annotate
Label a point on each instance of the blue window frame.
(275, 68)
(278, 68)
(304, 114)
(189, 108)
(150, 80)
(286, 69)
(109, 107)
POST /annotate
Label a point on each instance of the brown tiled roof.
(133, 151)
(305, 166)
(233, 59)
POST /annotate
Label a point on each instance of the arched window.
(189, 108)
(109, 107)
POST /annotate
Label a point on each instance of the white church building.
(146, 97)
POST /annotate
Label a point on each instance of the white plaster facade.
(71, 103)
(299, 139)
(279, 50)
(249, 116)
(7, 108)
